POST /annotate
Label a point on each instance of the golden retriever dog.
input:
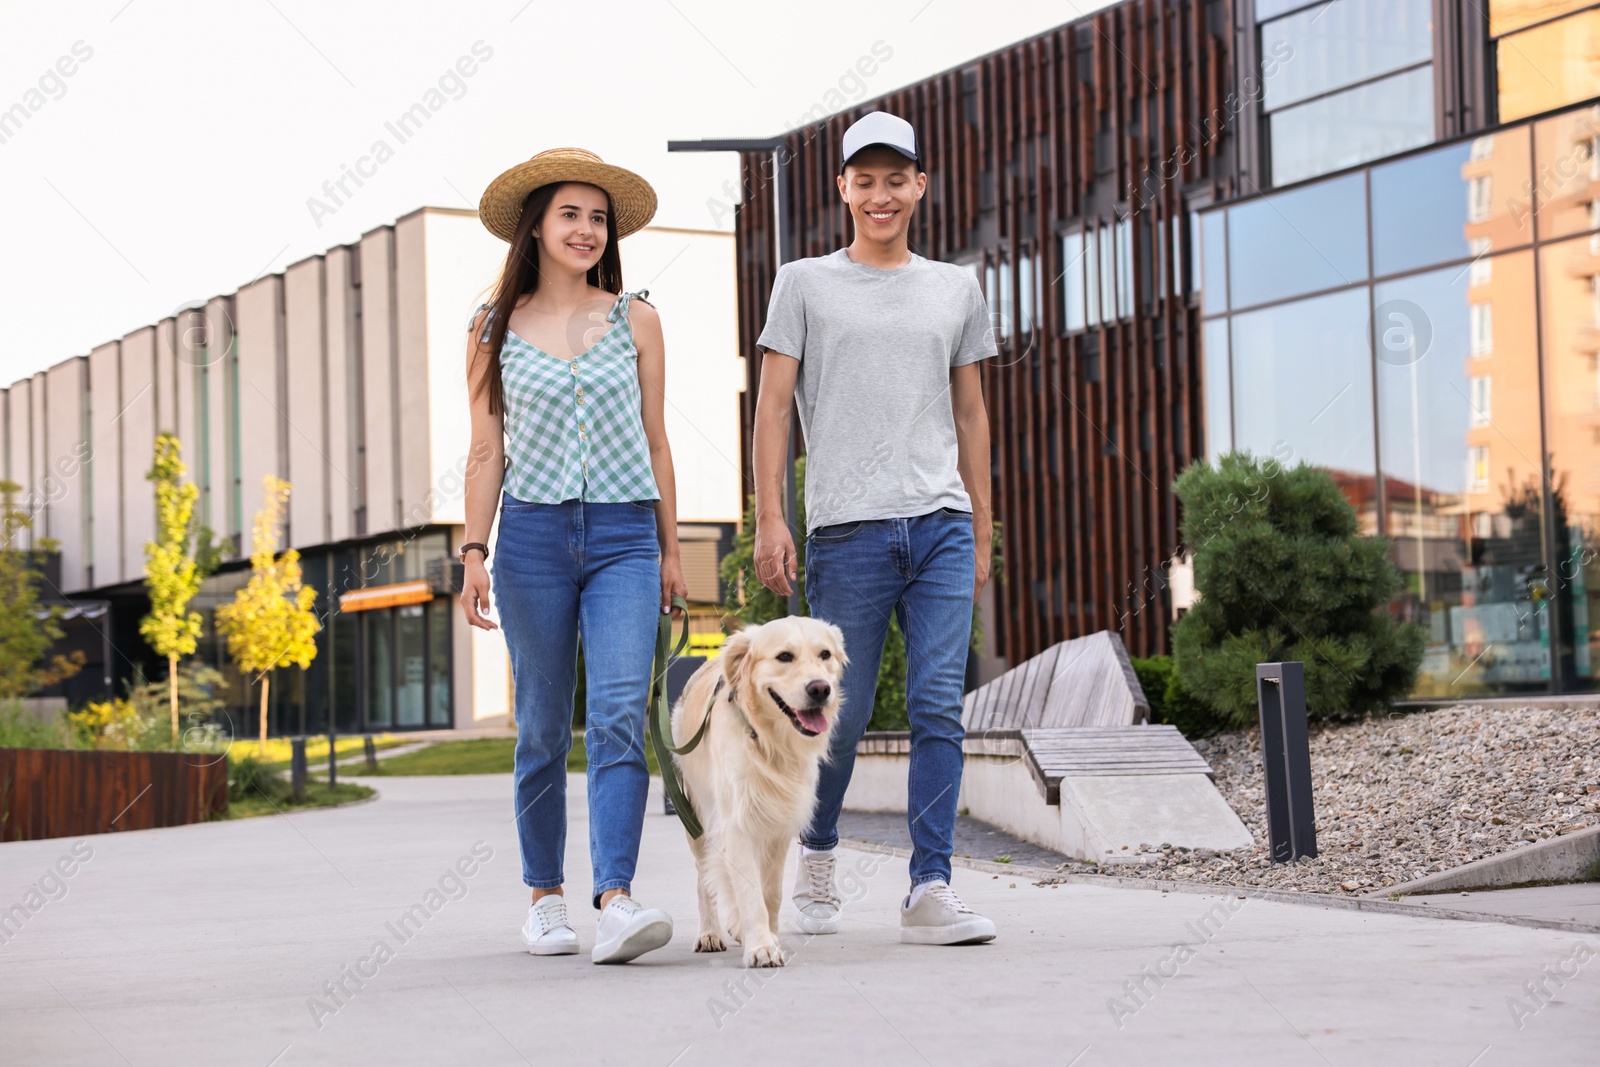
(772, 697)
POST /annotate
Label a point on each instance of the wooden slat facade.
(67, 793)
(1113, 116)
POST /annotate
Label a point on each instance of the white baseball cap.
(879, 127)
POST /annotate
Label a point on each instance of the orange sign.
(386, 596)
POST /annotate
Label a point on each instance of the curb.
(1279, 896)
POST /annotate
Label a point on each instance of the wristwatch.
(469, 546)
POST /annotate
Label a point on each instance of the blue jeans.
(561, 571)
(922, 569)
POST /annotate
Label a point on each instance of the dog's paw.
(763, 956)
(711, 943)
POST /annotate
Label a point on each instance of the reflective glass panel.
(1570, 287)
(1451, 203)
(1285, 244)
(1213, 280)
(1568, 166)
(1342, 130)
(1333, 45)
(1302, 389)
(439, 617)
(380, 672)
(1219, 399)
(1458, 432)
(1266, 9)
(410, 650)
(1073, 314)
(1549, 66)
(1508, 15)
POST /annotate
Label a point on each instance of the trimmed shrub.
(1171, 703)
(248, 776)
(1284, 575)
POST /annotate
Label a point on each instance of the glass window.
(1367, 122)
(1286, 244)
(1571, 324)
(1073, 312)
(1450, 203)
(1569, 174)
(1333, 45)
(1108, 274)
(1025, 290)
(1213, 280)
(1302, 386)
(440, 614)
(1091, 274)
(1266, 9)
(1481, 318)
(1549, 66)
(380, 672)
(1125, 268)
(1462, 478)
(411, 655)
(1508, 15)
(1219, 394)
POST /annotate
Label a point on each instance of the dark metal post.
(297, 766)
(333, 749)
(372, 755)
(1286, 760)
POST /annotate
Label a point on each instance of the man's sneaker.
(547, 931)
(939, 918)
(628, 930)
(816, 897)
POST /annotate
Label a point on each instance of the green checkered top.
(574, 429)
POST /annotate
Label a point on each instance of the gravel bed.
(1397, 798)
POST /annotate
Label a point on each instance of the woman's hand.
(672, 582)
(475, 593)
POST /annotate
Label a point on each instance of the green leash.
(659, 716)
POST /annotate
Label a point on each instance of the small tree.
(171, 574)
(26, 630)
(270, 622)
(1283, 575)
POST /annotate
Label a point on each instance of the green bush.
(249, 777)
(753, 603)
(23, 729)
(1171, 703)
(1283, 575)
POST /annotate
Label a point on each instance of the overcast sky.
(168, 151)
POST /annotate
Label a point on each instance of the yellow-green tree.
(171, 574)
(26, 632)
(270, 622)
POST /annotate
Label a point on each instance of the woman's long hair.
(520, 277)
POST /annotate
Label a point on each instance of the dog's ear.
(838, 644)
(735, 651)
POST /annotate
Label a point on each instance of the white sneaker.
(627, 930)
(547, 931)
(940, 918)
(816, 896)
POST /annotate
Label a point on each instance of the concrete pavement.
(386, 933)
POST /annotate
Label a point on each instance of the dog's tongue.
(812, 719)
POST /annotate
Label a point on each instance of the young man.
(881, 348)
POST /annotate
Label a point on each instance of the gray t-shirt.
(876, 348)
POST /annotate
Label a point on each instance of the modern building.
(1363, 234)
(343, 374)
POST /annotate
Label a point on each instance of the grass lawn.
(318, 795)
(480, 755)
(277, 751)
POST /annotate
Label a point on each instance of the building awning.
(386, 596)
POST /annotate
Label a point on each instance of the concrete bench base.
(1097, 815)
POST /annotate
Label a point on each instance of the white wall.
(377, 373)
(309, 458)
(105, 437)
(137, 427)
(262, 417)
(19, 453)
(66, 451)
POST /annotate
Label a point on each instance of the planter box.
(67, 793)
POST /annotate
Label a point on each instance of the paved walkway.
(220, 944)
(1579, 902)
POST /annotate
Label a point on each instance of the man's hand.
(985, 554)
(776, 564)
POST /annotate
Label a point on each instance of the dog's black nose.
(818, 690)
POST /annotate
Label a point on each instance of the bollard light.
(297, 767)
(1286, 760)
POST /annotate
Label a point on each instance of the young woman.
(565, 373)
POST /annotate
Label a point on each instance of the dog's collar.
(751, 730)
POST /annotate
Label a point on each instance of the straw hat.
(632, 199)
